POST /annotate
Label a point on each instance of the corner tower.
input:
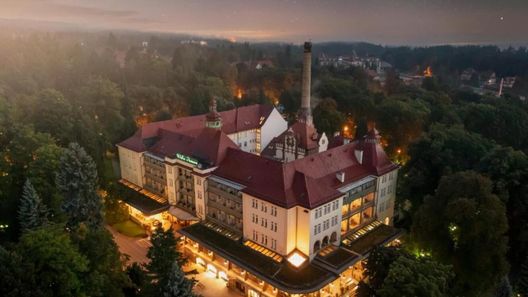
(213, 118)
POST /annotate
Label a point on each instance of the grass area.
(130, 228)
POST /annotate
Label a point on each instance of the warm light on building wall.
(200, 261)
(296, 259)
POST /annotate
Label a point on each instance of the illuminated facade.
(171, 159)
(296, 225)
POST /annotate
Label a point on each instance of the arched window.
(317, 246)
(325, 241)
(333, 237)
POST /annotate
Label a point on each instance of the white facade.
(246, 140)
(271, 128)
(172, 176)
(325, 225)
(385, 196)
(131, 165)
(200, 186)
(254, 140)
(265, 224)
(323, 143)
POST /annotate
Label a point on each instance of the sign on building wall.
(186, 159)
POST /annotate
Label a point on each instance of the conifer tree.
(162, 255)
(77, 181)
(523, 280)
(32, 213)
(177, 284)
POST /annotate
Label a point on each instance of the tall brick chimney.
(305, 113)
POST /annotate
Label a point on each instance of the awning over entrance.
(182, 214)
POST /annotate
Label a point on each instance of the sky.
(393, 22)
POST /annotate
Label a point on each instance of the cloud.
(40, 9)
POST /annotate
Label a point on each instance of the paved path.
(135, 248)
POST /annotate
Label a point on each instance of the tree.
(508, 169)
(138, 278)
(422, 277)
(22, 142)
(464, 224)
(442, 151)
(378, 265)
(401, 120)
(178, 285)
(32, 213)
(15, 281)
(504, 289)
(522, 285)
(42, 171)
(53, 114)
(105, 275)
(162, 255)
(101, 99)
(327, 118)
(55, 267)
(77, 182)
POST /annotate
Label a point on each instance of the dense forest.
(66, 99)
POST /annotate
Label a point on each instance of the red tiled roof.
(234, 120)
(374, 157)
(208, 145)
(308, 182)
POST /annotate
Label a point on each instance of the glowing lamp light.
(296, 259)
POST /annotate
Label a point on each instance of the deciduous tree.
(464, 224)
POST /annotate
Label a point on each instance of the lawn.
(130, 228)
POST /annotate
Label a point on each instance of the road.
(135, 248)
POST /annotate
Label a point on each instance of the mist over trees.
(462, 192)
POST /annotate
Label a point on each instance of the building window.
(264, 222)
(368, 198)
(199, 181)
(354, 221)
(273, 244)
(355, 204)
(333, 237)
(326, 224)
(344, 226)
(335, 205)
(317, 246)
(344, 209)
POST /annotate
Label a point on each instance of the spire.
(213, 118)
(305, 113)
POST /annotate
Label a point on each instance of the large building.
(161, 159)
(296, 224)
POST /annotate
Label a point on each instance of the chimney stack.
(305, 114)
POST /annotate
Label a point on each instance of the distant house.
(489, 79)
(508, 82)
(261, 64)
(467, 74)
